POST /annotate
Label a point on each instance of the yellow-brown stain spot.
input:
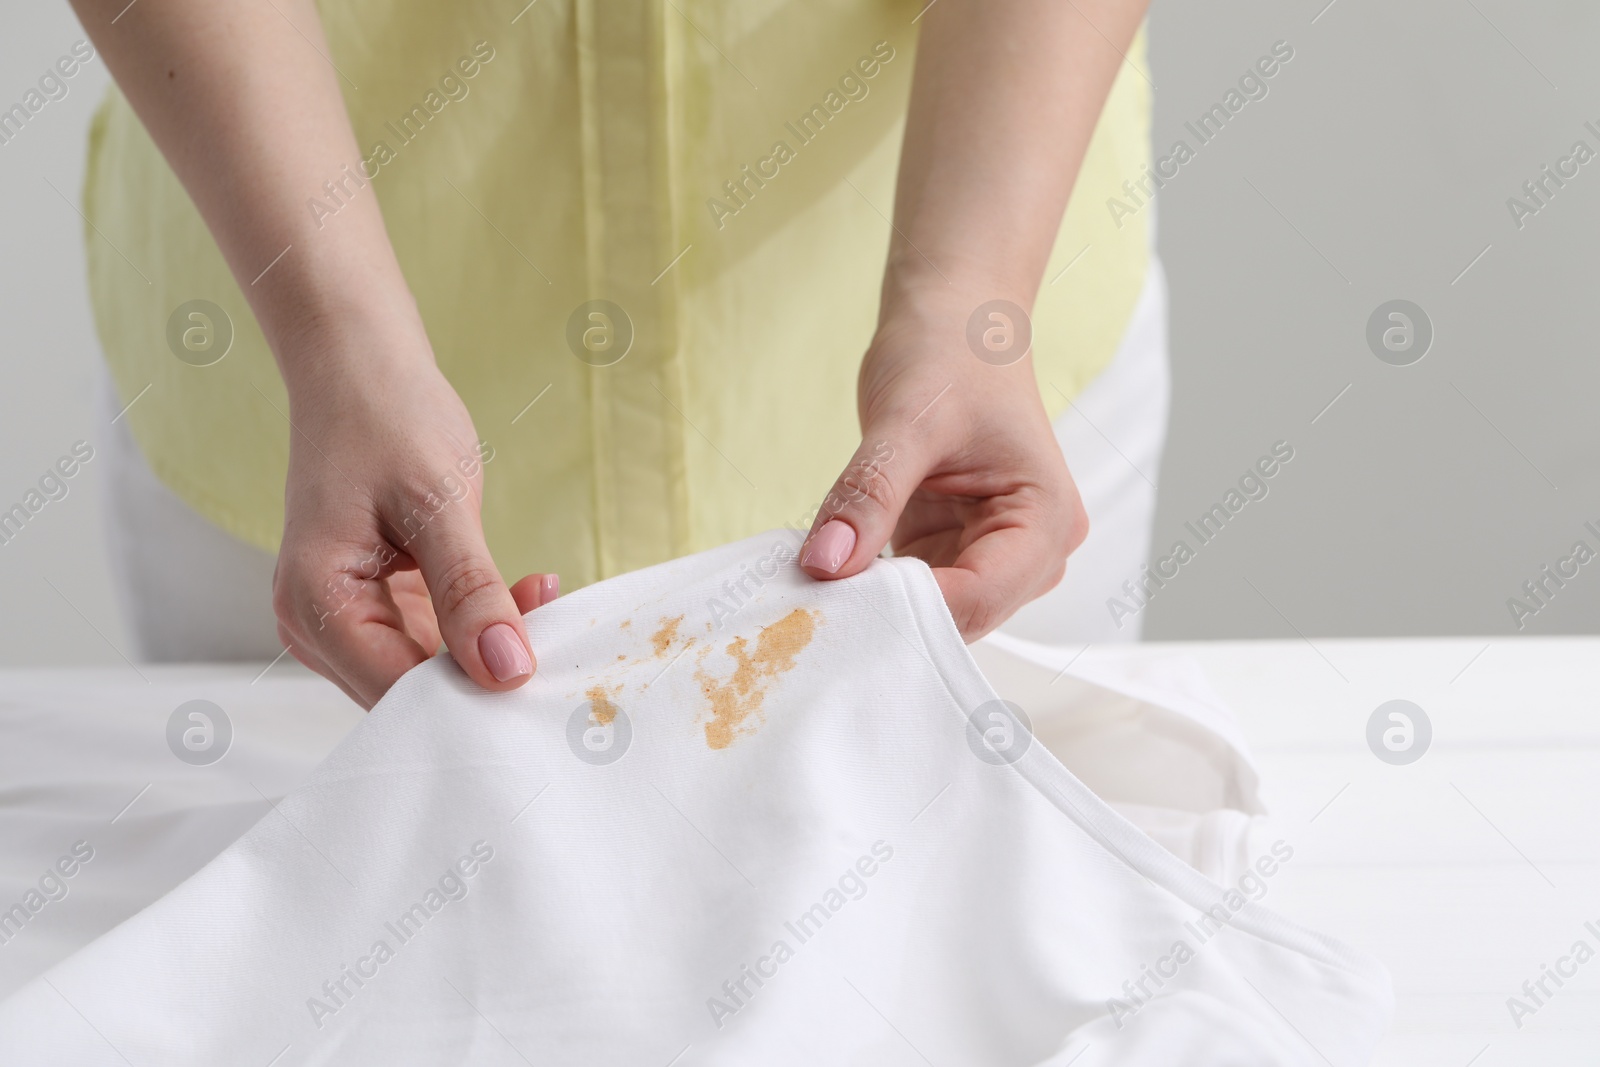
(601, 710)
(736, 700)
(662, 639)
(626, 623)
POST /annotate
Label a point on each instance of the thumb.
(478, 618)
(860, 513)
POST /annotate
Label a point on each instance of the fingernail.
(504, 653)
(830, 547)
(549, 588)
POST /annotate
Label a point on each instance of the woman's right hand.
(373, 569)
(383, 551)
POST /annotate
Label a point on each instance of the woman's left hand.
(958, 465)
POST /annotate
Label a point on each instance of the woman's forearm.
(243, 103)
(1004, 100)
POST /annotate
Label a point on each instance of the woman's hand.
(383, 551)
(958, 466)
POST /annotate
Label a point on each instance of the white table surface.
(1464, 872)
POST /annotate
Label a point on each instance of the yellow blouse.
(646, 238)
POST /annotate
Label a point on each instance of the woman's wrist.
(920, 289)
(330, 329)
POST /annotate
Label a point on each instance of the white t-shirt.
(737, 817)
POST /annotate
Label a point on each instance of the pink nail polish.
(503, 652)
(830, 547)
(549, 588)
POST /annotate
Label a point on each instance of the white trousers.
(1112, 436)
(190, 592)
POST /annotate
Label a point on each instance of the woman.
(626, 256)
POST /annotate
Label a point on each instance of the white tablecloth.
(1466, 872)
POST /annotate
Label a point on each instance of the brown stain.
(601, 709)
(662, 639)
(735, 700)
(625, 624)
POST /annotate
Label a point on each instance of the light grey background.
(1377, 167)
(50, 349)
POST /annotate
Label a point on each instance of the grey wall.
(49, 349)
(1377, 167)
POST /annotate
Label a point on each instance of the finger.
(859, 514)
(410, 595)
(312, 661)
(354, 630)
(478, 618)
(1000, 571)
(535, 591)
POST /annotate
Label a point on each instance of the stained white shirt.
(738, 816)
